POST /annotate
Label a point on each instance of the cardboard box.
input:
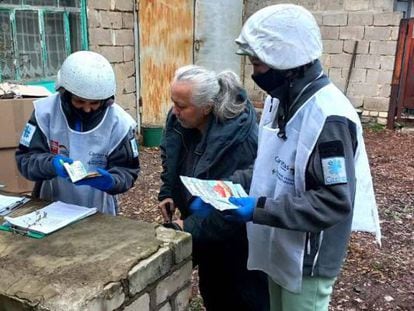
(14, 115)
(9, 174)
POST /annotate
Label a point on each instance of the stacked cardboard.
(14, 115)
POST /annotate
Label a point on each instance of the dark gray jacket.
(321, 208)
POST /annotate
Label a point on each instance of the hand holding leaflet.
(244, 212)
(59, 162)
(104, 181)
(76, 171)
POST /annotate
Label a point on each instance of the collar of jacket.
(219, 137)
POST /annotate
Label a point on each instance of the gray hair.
(223, 91)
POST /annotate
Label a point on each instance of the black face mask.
(270, 80)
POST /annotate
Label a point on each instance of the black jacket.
(226, 148)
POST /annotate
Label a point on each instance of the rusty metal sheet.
(217, 25)
(166, 43)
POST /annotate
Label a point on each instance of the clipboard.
(31, 234)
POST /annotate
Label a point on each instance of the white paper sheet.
(51, 217)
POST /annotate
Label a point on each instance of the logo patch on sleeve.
(334, 170)
(134, 147)
(27, 134)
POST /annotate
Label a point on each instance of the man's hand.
(58, 161)
(200, 208)
(167, 209)
(244, 212)
(104, 182)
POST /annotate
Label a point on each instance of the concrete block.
(357, 74)
(363, 46)
(368, 61)
(124, 5)
(385, 90)
(376, 104)
(372, 76)
(128, 86)
(356, 101)
(385, 77)
(182, 299)
(318, 17)
(362, 89)
(387, 62)
(387, 19)
(365, 113)
(382, 47)
(335, 19)
(171, 284)
(149, 270)
(124, 70)
(356, 5)
(127, 20)
(329, 32)
(351, 32)
(373, 113)
(329, 5)
(99, 4)
(394, 33)
(360, 18)
(340, 60)
(325, 61)
(110, 19)
(311, 5)
(100, 36)
(166, 307)
(123, 37)
(128, 53)
(94, 19)
(112, 297)
(128, 102)
(141, 304)
(113, 53)
(382, 121)
(383, 114)
(377, 33)
(333, 46)
(383, 5)
(335, 73)
(180, 242)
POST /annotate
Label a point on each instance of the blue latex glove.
(245, 211)
(200, 208)
(104, 182)
(57, 162)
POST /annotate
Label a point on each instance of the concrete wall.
(374, 25)
(111, 33)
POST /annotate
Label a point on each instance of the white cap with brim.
(283, 36)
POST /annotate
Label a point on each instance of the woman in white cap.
(80, 122)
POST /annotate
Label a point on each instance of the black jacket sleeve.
(321, 206)
(35, 161)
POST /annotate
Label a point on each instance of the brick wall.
(111, 33)
(343, 22)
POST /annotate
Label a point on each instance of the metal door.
(402, 86)
(217, 25)
(166, 43)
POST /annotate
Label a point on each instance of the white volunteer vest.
(92, 148)
(280, 168)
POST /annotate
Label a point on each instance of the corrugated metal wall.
(166, 43)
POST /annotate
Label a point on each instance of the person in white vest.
(311, 182)
(81, 122)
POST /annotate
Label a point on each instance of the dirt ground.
(373, 278)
